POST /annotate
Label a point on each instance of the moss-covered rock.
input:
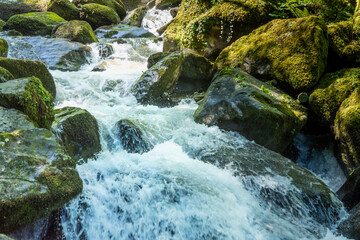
(29, 96)
(65, 55)
(209, 26)
(356, 19)
(76, 30)
(98, 15)
(113, 4)
(13, 33)
(132, 4)
(347, 130)
(36, 177)
(12, 119)
(156, 57)
(163, 4)
(4, 237)
(4, 47)
(122, 31)
(2, 23)
(78, 131)
(9, 8)
(27, 68)
(331, 91)
(65, 9)
(135, 17)
(5, 75)
(239, 102)
(293, 51)
(35, 23)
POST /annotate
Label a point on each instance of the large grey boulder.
(12, 119)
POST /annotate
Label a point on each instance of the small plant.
(241, 85)
(265, 90)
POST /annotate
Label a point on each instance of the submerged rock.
(331, 91)
(35, 23)
(29, 96)
(129, 136)
(98, 15)
(293, 51)
(3, 48)
(78, 131)
(347, 130)
(239, 102)
(65, 55)
(77, 31)
(116, 5)
(27, 68)
(122, 31)
(207, 27)
(12, 119)
(36, 177)
(65, 9)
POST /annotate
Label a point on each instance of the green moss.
(98, 15)
(3, 48)
(38, 103)
(36, 23)
(347, 130)
(331, 91)
(113, 4)
(2, 23)
(5, 75)
(136, 17)
(65, 9)
(293, 51)
(26, 68)
(78, 31)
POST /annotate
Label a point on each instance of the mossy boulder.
(356, 19)
(238, 102)
(98, 15)
(113, 4)
(2, 23)
(27, 68)
(5, 75)
(76, 30)
(344, 45)
(13, 33)
(163, 4)
(36, 178)
(347, 130)
(65, 9)
(293, 51)
(209, 26)
(156, 57)
(135, 17)
(126, 135)
(331, 91)
(35, 23)
(4, 47)
(12, 119)
(122, 31)
(78, 131)
(132, 4)
(29, 96)
(65, 55)
(9, 8)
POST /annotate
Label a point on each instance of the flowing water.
(166, 193)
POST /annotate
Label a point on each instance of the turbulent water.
(166, 193)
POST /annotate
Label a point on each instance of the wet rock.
(5, 75)
(4, 237)
(13, 33)
(332, 90)
(2, 23)
(349, 193)
(156, 57)
(3, 48)
(163, 4)
(36, 23)
(27, 68)
(29, 96)
(65, 9)
(112, 85)
(174, 11)
(162, 29)
(98, 15)
(9, 8)
(105, 50)
(133, 4)
(347, 130)
(209, 28)
(122, 31)
(65, 55)
(129, 136)
(293, 51)
(77, 31)
(350, 227)
(12, 119)
(116, 5)
(36, 177)
(135, 17)
(78, 131)
(238, 102)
